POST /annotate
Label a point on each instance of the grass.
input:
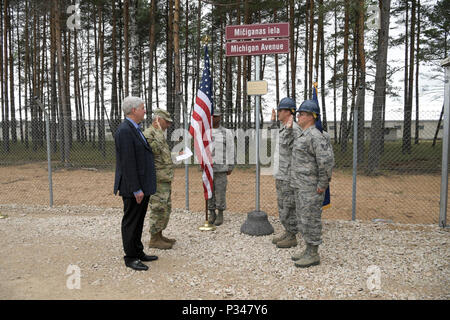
(81, 155)
(423, 158)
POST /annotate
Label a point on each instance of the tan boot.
(279, 238)
(171, 241)
(311, 257)
(219, 218)
(157, 242)
(288, 242)
(299, 254)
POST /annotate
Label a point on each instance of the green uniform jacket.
(163, 159)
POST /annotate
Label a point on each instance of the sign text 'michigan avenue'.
(257, 47)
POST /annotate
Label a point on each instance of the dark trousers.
(132, 225)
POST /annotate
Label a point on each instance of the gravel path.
(39, 243)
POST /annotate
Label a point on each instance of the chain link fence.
(405, 187)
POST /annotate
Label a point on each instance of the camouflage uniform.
(311, 167)
(223, 161)
(160, 203)
(285, 193)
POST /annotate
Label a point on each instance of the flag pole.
(206, 226)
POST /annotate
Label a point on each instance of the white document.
(186, 155)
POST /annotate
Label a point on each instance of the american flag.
(201, 126)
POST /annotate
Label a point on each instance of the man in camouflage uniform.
(223, 164)
(160, 203)
(311, 168)
(285, 193)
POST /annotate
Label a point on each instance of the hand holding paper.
(187, 154)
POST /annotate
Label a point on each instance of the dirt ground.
(399, 198)
(83, 230)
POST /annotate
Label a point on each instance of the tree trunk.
(65, 115)
(176, 47)
(136, 83)
(245, 72)
(343, 130)
(221, 85)
(406, 146)
(101, 106)
(292, 44)
(376, 131)
(151, 53)
(186, 63)
(67, 84)
(11, 84)
(90, 139)
(322, 65)
(127, 52)
(114, 113)
(305, 93)
(362, 83)
(310, 50)
(19, 80)
(416, 136)
(156, 79)
(169, 66)
(6, 121)
(335, 72)
(27, 65)
(438, 126)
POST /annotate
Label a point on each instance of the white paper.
(187, 154)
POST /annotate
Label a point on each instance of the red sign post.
(276, 41)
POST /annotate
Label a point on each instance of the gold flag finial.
(205, 40)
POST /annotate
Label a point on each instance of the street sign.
(257, 47)
(257, 31)
(256, 88)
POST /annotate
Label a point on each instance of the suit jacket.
(135, 166)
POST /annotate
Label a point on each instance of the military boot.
(311, 258)
(299, 254)
(279, 238)
(171, 241)
(157, 242)
(219, 218)
(288, 242)
(212, 216)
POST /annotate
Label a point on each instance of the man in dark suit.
(135, 180)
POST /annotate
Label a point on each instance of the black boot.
(212, 216)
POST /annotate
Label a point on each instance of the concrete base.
(257, 224)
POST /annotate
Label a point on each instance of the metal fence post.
(186, 162)
(355, 161)
(445, 145)
(49, 156)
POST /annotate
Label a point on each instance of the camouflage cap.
(163, 114)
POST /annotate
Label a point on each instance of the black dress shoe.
(148, 258)
(136, 265)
